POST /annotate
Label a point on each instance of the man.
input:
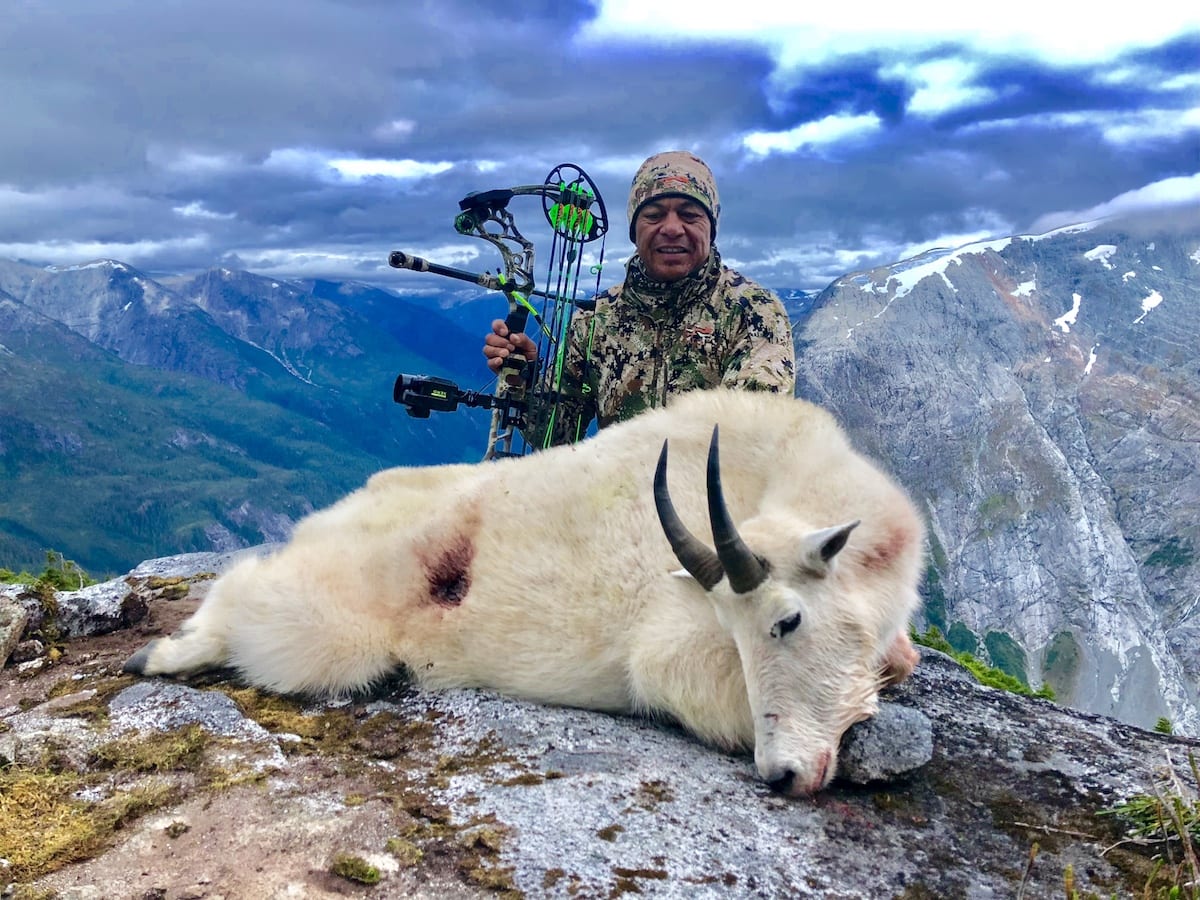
(681, 320)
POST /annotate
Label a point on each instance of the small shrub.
(60, 574)
(984, 674)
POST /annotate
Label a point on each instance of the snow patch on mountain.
(1148, 303)
(1101, 254)
(908, 278)
(1067, 319)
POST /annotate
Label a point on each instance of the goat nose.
(785, 783)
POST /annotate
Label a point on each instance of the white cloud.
(940, 85)
(297, 161)
(192, 162)
(1151, 125)
(799, 36)
(982, 225)
(72, 252)
(15, 201)
(396, 129)
(812, 135)
(315, 262)
(328, 166)
(817, 31)
(1181, 191)
(1117, 128)
(403, 169)
(197, 210)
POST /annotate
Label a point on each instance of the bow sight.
(423, 394)
(575, 212)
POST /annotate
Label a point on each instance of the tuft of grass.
(408, 853)
(1168, 821)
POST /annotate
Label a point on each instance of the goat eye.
(786, 626)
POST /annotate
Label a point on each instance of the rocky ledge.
(114, 787)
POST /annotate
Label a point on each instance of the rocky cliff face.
(122, 788)
(1041, 396)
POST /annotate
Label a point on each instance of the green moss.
(997, 511)
(381, 736)
(163, 751)
(353, 868)
(95, 693)
(482, 844)
(44, 825)
(406, 852)
(493, 878)
(174, 588)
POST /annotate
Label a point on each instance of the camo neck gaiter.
(666, 300)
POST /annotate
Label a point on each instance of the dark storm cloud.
(1023, 88)
(182, 134)
(853, 84)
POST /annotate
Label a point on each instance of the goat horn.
(700, 562)
(745, 570)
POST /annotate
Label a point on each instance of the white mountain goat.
(549, 577)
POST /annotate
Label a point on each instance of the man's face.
(672, 235)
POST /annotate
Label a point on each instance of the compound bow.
(575, 211)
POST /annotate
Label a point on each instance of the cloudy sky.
(311, 137)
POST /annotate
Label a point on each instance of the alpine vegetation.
(556, 577)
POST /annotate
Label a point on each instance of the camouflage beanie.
(674, 173)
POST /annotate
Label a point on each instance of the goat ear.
(820, 547)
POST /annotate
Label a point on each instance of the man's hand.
(500, 345)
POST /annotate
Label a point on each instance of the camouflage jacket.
(647, 341)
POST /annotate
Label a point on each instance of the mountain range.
(1038, 394)
(143, 416)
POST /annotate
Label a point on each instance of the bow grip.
(516, 319)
